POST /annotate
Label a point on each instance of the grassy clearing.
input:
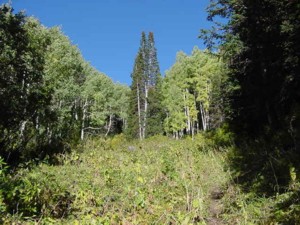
(158, 181)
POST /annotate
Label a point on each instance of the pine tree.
(136, 97)
(155, 114)
(144, 89)
(153, 71)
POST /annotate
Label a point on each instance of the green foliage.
(260, 45)
(193, 94)
(158, 180)
(249, 208)
(222, 136)
(136, 99)
(34, 195)
(246, 208)
(287, 207)
(115, 181)
(145, 113)
(155, 114)
(51, 96)
(3, 180)
(25, 100)
(64, 68)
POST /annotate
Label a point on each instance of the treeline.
(189, 99)
(50, 96)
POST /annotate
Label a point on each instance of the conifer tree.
(153, 66)
(136, 96)
(145, 78)
(154, 114)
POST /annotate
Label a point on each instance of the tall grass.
(156, 181)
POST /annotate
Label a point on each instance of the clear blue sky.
(108, 31)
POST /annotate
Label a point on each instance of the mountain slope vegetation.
(214, 141)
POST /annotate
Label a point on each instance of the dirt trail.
(215, 207)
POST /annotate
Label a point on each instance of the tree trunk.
(109, 125)
(49, 134)
(176, 135)
(83, 119)
(37, 123)
(187, 113)
(139, 111)
(22, 128)
(203, 117)
(197, 120)
(75, 110)
(193, 131)
(145, 111)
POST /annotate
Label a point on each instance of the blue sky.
(108, 31)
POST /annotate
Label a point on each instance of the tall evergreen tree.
(145, 78)
(155, 113)
(153, 71)
(136, 96)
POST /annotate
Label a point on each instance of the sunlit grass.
(158, 181)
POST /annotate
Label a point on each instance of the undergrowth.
(159, 181)
(156, 181)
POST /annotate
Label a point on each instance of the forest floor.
(157, 181)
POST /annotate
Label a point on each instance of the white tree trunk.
(37, 123)
(139, 111)
(145, 111)
(83, 119)
(75, 109)
(22, 128)
(203, 117)
(196, 121)
(189, 121)
(109, 125)
(193, 131)
(49, 134)
(207, 121)
(187, 113)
